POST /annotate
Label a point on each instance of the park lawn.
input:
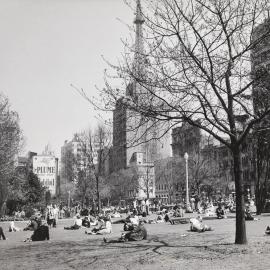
(168, 247)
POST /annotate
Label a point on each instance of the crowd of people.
(133, 224)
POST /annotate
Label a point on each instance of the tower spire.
(139, 17)
(139, 50)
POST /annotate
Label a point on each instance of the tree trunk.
(240, 234)
(260, 196)
(98, 195)
(1, 209)
(3, 197)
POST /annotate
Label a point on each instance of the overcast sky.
(45, 46)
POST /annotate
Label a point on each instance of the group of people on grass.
(220, 212)
(133, 225)
(36, 224)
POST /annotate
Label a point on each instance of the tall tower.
(130, 134)
(137, 130)
(139, 50)
(133, 89)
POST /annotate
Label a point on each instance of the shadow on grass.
(94, 251)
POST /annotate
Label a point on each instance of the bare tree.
(197, 68)
(170, 173)
(91, 168)
(145, 183)
(69, 171)
(10, 144)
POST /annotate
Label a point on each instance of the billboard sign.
(45, 167)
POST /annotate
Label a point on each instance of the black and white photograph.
(134, 134)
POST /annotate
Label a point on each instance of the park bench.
(179, 220)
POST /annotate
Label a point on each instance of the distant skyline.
(46, 45)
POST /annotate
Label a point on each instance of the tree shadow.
(94, 251)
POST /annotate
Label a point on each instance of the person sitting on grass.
(32, 224)
(160, 218)
(13, 228)
(138, 233)
(248, 215)
(86, 222)
(166, 217)
(2, 234)
(196, 225)
(40, 234)
(267, 231)
(220, 212)
(77, 223)
(178, 212)
(131, 221)
(104, 228)
(93, 220)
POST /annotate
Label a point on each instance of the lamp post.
(69, 199)
(187, 194)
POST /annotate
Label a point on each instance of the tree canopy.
(10, 143)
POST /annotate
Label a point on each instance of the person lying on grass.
(196, 225)
(137, 234)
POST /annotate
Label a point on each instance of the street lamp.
(68, 199)
(187, 195)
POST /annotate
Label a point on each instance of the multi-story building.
(70, 155)
(169, 179)
(260, 68)
(215, 156)
(25, 164)
(119, 150)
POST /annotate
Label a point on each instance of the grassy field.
(168, 247)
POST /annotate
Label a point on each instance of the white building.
(46, 168)
(74, 158)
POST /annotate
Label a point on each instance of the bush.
(11, 218)
(29, 211)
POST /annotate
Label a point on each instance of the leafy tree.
(34, 191)
(48, 197)
(10, 144)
